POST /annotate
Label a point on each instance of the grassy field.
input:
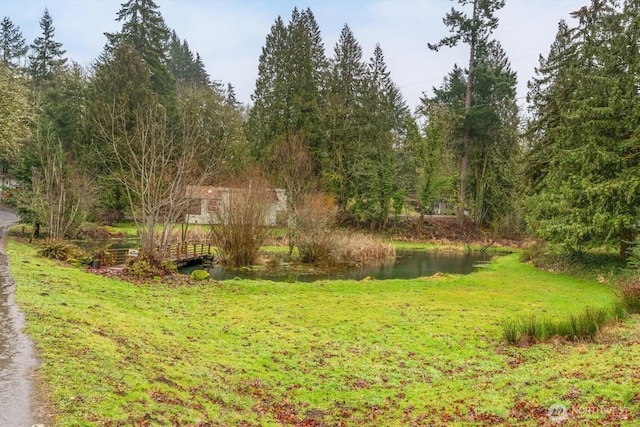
(379, 353)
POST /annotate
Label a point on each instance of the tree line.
(145, 122)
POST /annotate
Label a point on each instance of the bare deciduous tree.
(293, 164)
(60, 194)
(158, 161)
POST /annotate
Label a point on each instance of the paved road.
(19, 406)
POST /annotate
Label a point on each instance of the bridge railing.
(177, 253)
(182, 252)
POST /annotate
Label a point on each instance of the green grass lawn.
(379, 353)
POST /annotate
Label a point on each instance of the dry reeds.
(241, 222)
(358, 248)
(319, 243)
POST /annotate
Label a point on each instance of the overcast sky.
(229, 34)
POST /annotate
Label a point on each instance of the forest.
(130, 134)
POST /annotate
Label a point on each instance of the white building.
(209, 204)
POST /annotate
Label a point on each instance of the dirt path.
(19, 402)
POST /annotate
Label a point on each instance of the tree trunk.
(626, 241)
(467, 130)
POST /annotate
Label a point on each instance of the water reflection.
(408, 264)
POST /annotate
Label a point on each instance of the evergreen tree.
(384, 115)
(267, 121)
(492, 126)
(495, 136)
(230, 97)
(345, 157)
(291, 73)
(441, 142)
(46, 57)
(13, 45)
(183, 65)
(471, 31)
(549, 90)
(119, 88)
(15, 113)
(589, 193)
(144, 29)
(200, 75)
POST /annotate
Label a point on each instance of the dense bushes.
(316, 217)
(57, 249)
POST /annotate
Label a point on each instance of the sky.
(229, 34)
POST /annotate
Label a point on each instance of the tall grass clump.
(586, 325)
(319, 243)
(531, 328)
(510, 332)
(629, 296)
(576, 327)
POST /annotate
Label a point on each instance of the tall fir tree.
(184, 66)
(385, 116)
(492, 144)
(13, 45)
(495, 138)
(267, 121)
(471, 30)
(549, 90)
(589, 194)
(287, 97)
(145, 30)
(345, 157)
(47, 54)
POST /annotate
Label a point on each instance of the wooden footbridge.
(179, 253)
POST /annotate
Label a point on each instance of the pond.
(408, 264)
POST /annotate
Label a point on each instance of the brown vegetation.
(241, 222)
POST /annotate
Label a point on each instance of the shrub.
(144, 267)
(241, 219)
(316, 217)
(109, 217)
(168, 267)
(619, 311)
(531, 328)
(633, 259)
(57, 249)
(103, 257)
(139, 268)
(199, 275)
(93, 231)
